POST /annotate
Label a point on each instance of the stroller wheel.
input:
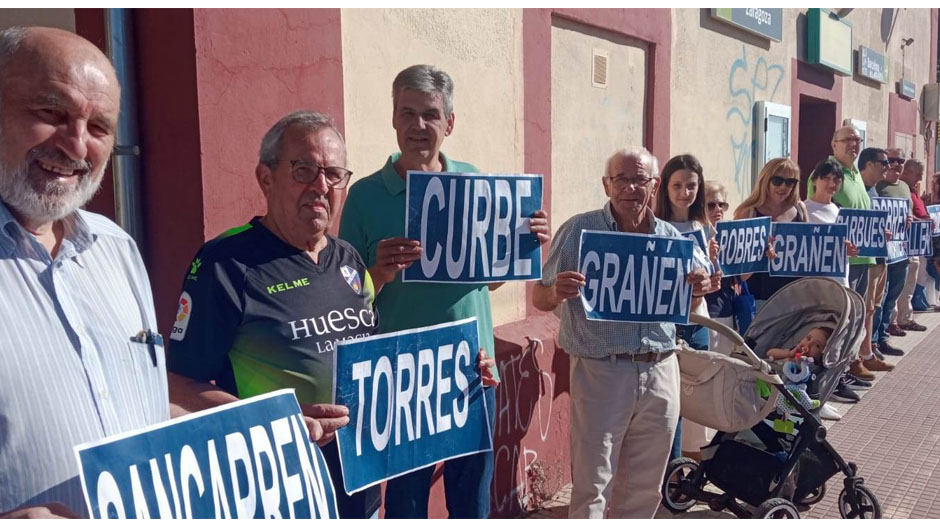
(813, 497)
(678, 473)
(865, 507)
(777, 508)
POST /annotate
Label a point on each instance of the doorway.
(817, 123)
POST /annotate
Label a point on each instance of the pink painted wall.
(207, 96)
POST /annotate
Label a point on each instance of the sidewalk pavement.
(892, 434)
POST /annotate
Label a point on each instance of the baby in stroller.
(768, 461)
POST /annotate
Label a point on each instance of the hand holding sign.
(327, 418)
(538, 225)
(568, 284)
(486, 365)
(391, 256)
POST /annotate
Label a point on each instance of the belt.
(641, 357)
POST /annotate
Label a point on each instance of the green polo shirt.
(852, 195)
(375, 210)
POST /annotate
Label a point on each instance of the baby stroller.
(764, 470)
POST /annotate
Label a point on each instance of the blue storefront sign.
(415, 398)
(474, 228)
(742, 246)
(809, 249)
(635, 277)
(248, 459)
(866, 230)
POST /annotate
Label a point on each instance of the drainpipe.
(125, 165)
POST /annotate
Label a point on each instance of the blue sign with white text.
(415, 398)
(934, 211)
(742, 246)
(635, 277)
(474, 228)
(898, 209)
(918, 237)
(866, 230)
(809, 249)
(248, 459)
(897, 252)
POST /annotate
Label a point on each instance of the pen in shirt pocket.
(152, 339)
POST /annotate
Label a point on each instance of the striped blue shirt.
(69, 372)
(597, 338)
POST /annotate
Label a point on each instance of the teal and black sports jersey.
(258, 315)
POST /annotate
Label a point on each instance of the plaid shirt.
(597, 338)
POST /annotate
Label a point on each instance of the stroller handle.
(739, 344)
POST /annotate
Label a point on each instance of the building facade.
(548, 91)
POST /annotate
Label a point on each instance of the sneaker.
(859, 372)
(854, 382)
(827, 411)
(893, 329)
(876, 364)
(876, 351)
(912, 326)
(844, 394)
(888, 349)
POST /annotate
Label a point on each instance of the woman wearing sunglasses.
(776, 195)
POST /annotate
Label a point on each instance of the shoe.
(827, 411)
(876, 364)
(876, 351)
(854, 382)
(888, 349)
(859, 372)
(912, 326)
(893, 329)
(844, 394)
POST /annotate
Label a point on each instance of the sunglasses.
(723, 205)
(896, 160)
(778, 181)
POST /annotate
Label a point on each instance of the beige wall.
(589, 123)
(60, 18)
(710, 60)
(481, 49)
(718, 72)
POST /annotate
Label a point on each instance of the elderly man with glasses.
(624, 377)
(264, 304)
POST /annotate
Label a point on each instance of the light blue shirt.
(598, 338)
(69, 371)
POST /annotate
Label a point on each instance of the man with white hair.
(624, 376)
(80, 357)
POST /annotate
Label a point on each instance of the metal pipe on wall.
(125, 166)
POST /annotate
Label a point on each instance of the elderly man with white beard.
(79, 356)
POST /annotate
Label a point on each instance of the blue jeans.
(697, 338)
(897, 274)
(467, 482)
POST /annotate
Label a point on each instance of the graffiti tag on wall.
(748, 81)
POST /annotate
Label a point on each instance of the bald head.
(846, 143)
(59, 103)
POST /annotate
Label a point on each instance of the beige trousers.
(904, 310)
(623, 419)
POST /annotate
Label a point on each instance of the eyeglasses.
(622, 182)
(896, 160)
(856, 140)
(723, 205)
(306, 172)
(789, 182)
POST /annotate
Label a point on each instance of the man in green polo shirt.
(373, 221)
(846, 143)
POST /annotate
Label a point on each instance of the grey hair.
(307, 120)
(714, 187)
(10, 41)
(634, 152)
(426, 79)
(913, 163)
